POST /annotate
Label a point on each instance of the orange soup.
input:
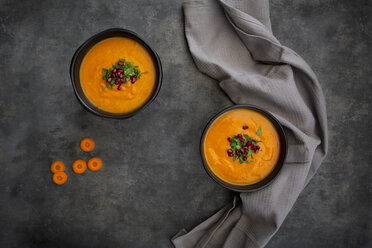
(253, 135)
(131, 96)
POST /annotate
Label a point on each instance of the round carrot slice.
(59, 177)
(57, 166)
(95, 164)
(87, 144)
(79, 166)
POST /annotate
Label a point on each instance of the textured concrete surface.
(153, 183)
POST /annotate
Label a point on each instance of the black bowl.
(82, 51)
(268, 179)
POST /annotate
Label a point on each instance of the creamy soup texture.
(103, 55)
(216, 144)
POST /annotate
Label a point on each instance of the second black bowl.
(269, 178)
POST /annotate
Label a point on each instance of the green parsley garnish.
(121, 72)
(259, 131)
(242, 148)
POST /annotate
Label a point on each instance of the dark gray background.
(152, 183)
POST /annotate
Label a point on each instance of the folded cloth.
(232, 41)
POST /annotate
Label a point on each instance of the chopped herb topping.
(259, 131)
(121, 72)
(242, 148)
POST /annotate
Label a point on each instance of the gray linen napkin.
(232, 41)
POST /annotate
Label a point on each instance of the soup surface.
(216, 145)
(103, 55)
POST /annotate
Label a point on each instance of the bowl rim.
(104, 113)
(273, 174)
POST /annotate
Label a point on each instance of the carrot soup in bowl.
(243, 148)
(115, 73)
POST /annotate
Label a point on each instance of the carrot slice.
(59, 177)
(57, 166)
(95, 164)
(79, 166)
(87, 144)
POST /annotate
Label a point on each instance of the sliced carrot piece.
(95, 164)
(57, 166)
(60, 177)
(79, 166)
(87, 144)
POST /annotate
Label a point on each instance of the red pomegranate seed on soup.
(242, 150)
(230, 150)
(256, 151)
(245, 127)
(114, 70)
(120, 63)
(109, 80)
(244, 158)
(242, 139)
(133, 79)
(240, 136)
(229, 139)
(119, 87)
(249, 143)
(237, 152)
(117, 81)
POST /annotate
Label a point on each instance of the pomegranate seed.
(230, 154)
(120, 63)
(249, 143)
(119, 87)
(252, 146)
(229, 139)
(240, 136)
(256, 151)
(109, 80)
(230, 150)
(246, 150)
(237, 152)
(133, 79)
(245, 147)
(114, 70)
(117, 81)
(242, 150)
(124, 79)
(244, 158)
(242, 139)
(245, 127)
(121, 76)
(258, 147)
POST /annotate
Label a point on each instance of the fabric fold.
(232, 42)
